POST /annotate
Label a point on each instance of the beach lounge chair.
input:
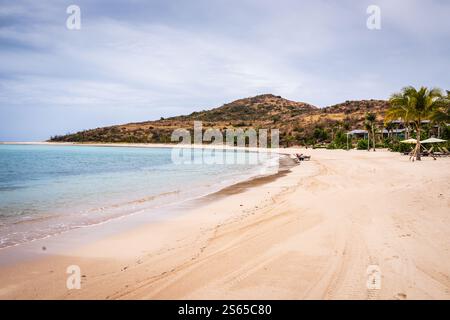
(442, 153)
(428, 152)
(295, 158)
(302, 157)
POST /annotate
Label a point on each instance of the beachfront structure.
(401, 132)
(398, 133)
(358, 133)
(404, 130)
(363, 133)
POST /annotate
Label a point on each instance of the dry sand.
(310, 234)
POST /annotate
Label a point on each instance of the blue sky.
(140, 60)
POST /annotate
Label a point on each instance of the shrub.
(362, 144)
(332, 146)
(402, 147)
(320, 134)
(276, 118)
(340, 140)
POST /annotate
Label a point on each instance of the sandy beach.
(309, 234)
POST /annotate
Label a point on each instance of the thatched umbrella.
(411, 141)
(433, 140)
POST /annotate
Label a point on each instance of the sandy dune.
(310, 234)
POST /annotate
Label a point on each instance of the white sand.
(308, 235)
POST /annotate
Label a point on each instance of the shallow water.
(46, 189)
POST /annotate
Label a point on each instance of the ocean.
(48, 189)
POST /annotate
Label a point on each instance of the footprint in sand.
(401, 296)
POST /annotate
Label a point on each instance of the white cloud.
(140, 64)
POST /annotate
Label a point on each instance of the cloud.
(140, 60)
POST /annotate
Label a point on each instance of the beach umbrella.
(433, 140)
(411, 141)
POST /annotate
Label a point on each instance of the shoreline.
(145, 145)
(309, 234)
(243, 181)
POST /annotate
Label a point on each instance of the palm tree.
(441, 116)
(368, 129)
(390, 128)
(370, 125)
(413, 106)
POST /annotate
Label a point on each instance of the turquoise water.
(47, 189)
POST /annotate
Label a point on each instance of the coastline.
(261, 173)
(311, 233)
(141, 145)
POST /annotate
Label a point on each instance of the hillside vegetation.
(298, 122)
